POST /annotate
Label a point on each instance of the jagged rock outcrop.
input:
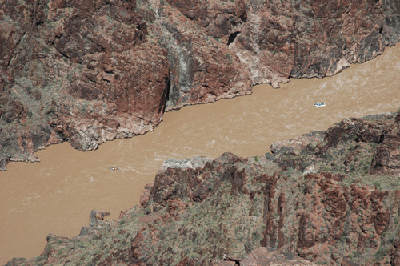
(88, 72)
(264, 256)
(79, 71)
(316, 199)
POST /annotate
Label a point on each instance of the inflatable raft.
(321, 104)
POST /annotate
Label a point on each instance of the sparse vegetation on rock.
(302, 203)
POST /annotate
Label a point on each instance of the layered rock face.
(79, 71)
(323, 198)
(88, 72)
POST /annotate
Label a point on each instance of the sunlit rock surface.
(328, 197)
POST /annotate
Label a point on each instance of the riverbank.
(75, 84)
(66, 192)
(328, 197)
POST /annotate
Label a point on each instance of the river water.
(57, 194)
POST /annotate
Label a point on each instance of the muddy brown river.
(57, 194)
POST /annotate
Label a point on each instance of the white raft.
(321, 104)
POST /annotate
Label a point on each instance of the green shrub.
(381, 253)
(352, 167)
(377, 185)
(46, 49)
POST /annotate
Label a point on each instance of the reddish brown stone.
(349, 263)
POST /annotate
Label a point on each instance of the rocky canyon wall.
(92, 71)
(328, 197)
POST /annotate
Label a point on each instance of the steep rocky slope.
(323, 198)
(91, 71)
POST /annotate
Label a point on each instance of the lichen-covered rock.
(316, 200)
(79, 71)
(261, 256)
